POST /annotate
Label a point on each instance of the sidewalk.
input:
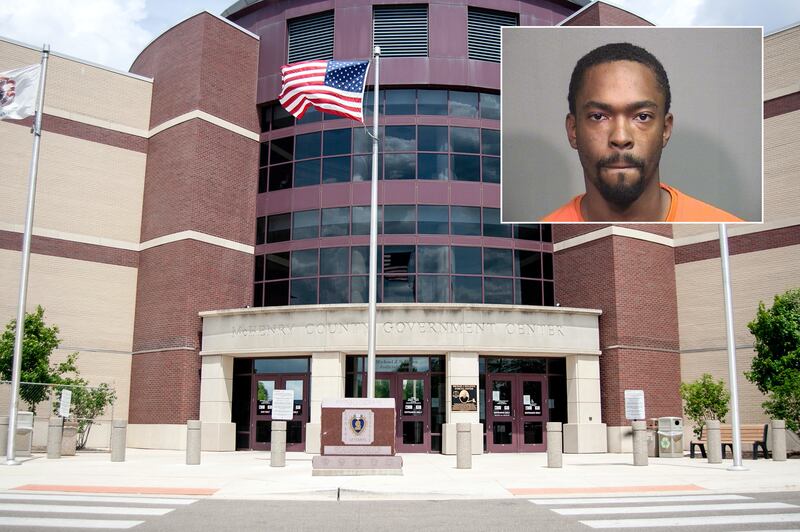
(248, 475)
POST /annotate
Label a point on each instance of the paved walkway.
(248, 475)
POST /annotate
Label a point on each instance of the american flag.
(335, 87)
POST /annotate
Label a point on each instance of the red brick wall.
(563, 232)
(163, 393)
(605, 15)
(782, 105)
(775, 238)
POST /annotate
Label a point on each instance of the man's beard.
(621, 194)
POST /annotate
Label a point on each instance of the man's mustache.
(616, 158)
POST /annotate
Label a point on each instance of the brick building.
(202, 248)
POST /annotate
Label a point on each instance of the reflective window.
(528, 263)
(465, 167)
(433, 289)
(277, 266)
(362, 167)
(432, 138)
(527, 231)
(333, 290)
(333, 261)
(432, 219)
(433, 259)
(281, 117)
(464, 104)
(490, 106)
(400, 102)
(361, 220)
(307, 145)
(399, 219)
(336, 141)
(362, 142)
(276, 294)
(261, 227)
(263, 154)
(490, 142)
(304, 262)
(492, 225)
(528, 292)
(359, 259)
(258, 274)
(466, 289)
(547, 265)
(432, 102)
(466, 260)
(306, 173)
(336, 221)
(303, 292)
(549, 296)
(497, 261)
(336, 169)
(278, 228)
(497, 290)
(400, 165)
(465, 220)
(262, 180)
(465, 139)
(282, 150)
(398, 259)
(281, 365)
(398, 289)
(280, 177)
(311, 115)
(258, 294)
(359, 289)
(432, 166)
(305, 224)
(400, 138)
(491, 169)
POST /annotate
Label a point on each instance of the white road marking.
(705, 520)
(67, 509)
(92, 498)
(66, 523)
(643, 499)
(675, 508)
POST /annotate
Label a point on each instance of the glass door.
(409, 390)
(532, 413)
(500, 414)
(515, 413)
(264, 387)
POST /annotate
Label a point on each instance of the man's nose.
(620, 136)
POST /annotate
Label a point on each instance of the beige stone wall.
(782, 62)
(73, 87)
(782, 166)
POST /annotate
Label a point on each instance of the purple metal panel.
(404, 71)
(433, 192)
(361, 240)
(453, 71)
(334, 241)
(491, 195)
(361, 193)
(355, 42)
(335, 195)
(279, 201)
(497, 242)
(434, 240)
(483, 74)
(449, 40)
(400, 192)
(463, 240)
(390, 240)
(305, 198)
(530, 245)
(465, 193)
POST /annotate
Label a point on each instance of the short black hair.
(620, 51)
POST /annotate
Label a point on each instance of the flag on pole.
(335, 87)
(18, 89)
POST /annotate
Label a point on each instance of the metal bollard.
(714, 451)
(118, 436)
(779, 440)
(278, 444)
(463, 446)
(54, 427)
(554, 444)
(640, 443)
(193, 441)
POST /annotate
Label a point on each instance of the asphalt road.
(699, 511)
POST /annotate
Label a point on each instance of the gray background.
(715, 153)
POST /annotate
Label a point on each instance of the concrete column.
(461, 368)
(193, 436)
(118, 436)
(3, 435)
(554, 444)
(54, 426)
(584, 432)
(640, 443)
(464, 445)
(327, 382)
(216, 395)
(714, 451)
(778, 440)
(278, 444)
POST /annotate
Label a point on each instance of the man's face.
(619, 129)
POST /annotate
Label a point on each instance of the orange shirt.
(682, 208)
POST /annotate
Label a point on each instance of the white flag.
(18, 89)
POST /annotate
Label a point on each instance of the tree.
(704, 399)
(775, 369)
(87, 404)
(38, 343)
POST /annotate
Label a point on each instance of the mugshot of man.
(619, 123)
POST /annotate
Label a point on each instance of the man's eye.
(596, 116)
(644, 117)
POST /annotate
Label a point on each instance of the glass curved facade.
(440, 235)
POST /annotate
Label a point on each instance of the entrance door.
(264, 386)
(410, 392)
(515, 412)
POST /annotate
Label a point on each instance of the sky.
(113, 32)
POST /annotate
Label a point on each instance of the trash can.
(670, 437)
(652, 437)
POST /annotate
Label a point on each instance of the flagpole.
(26, 255)
(726, 287)
(373, 236)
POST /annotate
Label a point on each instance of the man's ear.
(570, 125)
(667, 133)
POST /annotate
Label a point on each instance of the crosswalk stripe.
(705, 520)
(67, 509)
(93, 498)
(66, 523)
(643, 499)
(675, 508)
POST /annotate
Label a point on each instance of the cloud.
(108, 32)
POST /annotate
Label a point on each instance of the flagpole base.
(12, 462)
(738, 468)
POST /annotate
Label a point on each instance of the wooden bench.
(755, 435)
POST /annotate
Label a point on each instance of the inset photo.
(621, 124)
